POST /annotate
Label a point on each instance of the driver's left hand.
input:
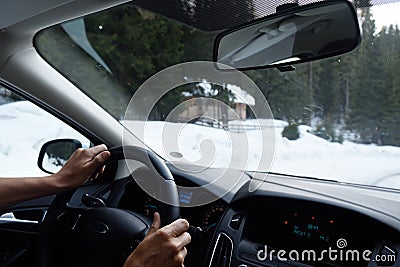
(84, 164)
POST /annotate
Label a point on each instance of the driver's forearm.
(14, 190)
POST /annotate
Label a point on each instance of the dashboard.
(287, 221)
(293, 232)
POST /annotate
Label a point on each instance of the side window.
(24, 128)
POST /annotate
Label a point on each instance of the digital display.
(309, 227)
(185, 197)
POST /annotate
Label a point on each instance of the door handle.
(10, 218)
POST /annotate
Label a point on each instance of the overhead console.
(292, 232)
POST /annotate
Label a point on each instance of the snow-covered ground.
(308, 156)
(24, 128)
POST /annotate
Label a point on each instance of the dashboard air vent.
(222, 253)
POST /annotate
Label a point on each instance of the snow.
(240, 96)
(309, 156)
(25, 128)
(348, 162)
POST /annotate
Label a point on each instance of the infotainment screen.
(309, 227)
(296, 229)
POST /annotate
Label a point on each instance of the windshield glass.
(335, 119)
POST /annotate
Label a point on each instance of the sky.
(385, 15)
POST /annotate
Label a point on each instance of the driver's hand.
(162, 247)
(84, 164)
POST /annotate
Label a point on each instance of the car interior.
(72, 65)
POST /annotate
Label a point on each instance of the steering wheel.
(103, 236)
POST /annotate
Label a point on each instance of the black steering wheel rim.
(169, 204)
(117, 224)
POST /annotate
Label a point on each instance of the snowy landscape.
(25, 128)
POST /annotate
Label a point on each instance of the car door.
(24, 129)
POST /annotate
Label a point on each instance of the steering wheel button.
(69, 219)
(99, 227)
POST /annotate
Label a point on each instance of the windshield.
(334, 119)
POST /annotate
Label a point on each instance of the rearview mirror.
(294, 35)
(54, 154)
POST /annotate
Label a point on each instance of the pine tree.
(365, 109)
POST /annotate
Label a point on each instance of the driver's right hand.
(162, 246)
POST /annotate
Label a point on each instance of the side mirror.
(54, 154)
(293, 35)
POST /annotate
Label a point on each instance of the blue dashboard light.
(185, 197)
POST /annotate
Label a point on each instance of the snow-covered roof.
(240, 95)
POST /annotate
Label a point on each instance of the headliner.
(217, 15)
